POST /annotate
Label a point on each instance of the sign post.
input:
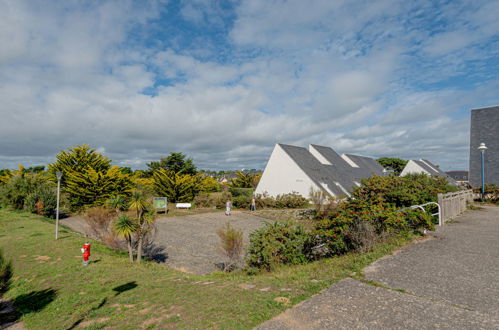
(160, 203)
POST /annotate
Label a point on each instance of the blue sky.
(223, 81)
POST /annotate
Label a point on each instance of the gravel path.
(449, 281)
(190, 243)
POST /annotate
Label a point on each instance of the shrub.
(216, 200)
(248, 192)
(290, 201)
(99, 225)
(231, 243)
(15, 191)
(361, 236)
(277, 243)
(242, 201)
(5, 273)
(405, 191)
(43, 201)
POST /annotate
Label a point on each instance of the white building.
(298, 169)
(416, 166)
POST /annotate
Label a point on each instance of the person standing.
(253, 205)
(228, 205)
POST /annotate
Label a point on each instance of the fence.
(454, 203)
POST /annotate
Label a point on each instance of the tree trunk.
(130, 251)
(139, 249)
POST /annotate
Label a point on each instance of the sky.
(223, 81)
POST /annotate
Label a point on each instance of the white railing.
(454, 203)
(439, 213)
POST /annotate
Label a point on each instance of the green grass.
(52, 290)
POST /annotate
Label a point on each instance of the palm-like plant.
(138, 203)
(118, 203)
(125, 227)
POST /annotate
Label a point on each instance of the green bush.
(248, 192)
(14, 192)
(207, 200)
(43, 201)
(344, 229)
(277, 243)
(242, 202)
(5, 273)
(404, 191)
(291, 201)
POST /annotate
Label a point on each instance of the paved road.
(450, 281)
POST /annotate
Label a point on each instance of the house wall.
(412, 167)
(484, 128)
(283, 176)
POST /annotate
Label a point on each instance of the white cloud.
(344, 74)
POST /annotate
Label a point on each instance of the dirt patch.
(43, 258)
(85, 324)
(283, 300)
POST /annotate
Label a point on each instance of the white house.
(426, 167)
(299, 169)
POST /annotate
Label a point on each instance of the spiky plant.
(125, 227)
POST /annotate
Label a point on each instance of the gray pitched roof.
(434, 170)
(312, 167)
(337, 172)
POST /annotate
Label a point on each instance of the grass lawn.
(52, 290)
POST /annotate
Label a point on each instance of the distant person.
(228, 205)
(253, 205)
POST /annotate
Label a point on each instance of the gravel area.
(190, 243)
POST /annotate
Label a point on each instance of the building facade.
(484, 129)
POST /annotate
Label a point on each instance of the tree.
(138, 205)
(79, 159)
(394, 164)
(245, 180)
(175, 162)
(88, 177)
(175, 186)
(125, 227)
(91, 187)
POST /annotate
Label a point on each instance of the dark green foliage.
(35, 169)
(78, 160)
(248, 192)
(42, 201)
(88, 177)
(245, 179)
(350, 226)
(395, 164)
(175, 186)
(241, 202)
(277, 243)
(291, 201)
(175, 162)
(5, 273)
(404, 191)
(14, 192)
(210, 200)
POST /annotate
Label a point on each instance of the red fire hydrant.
(85, 250)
